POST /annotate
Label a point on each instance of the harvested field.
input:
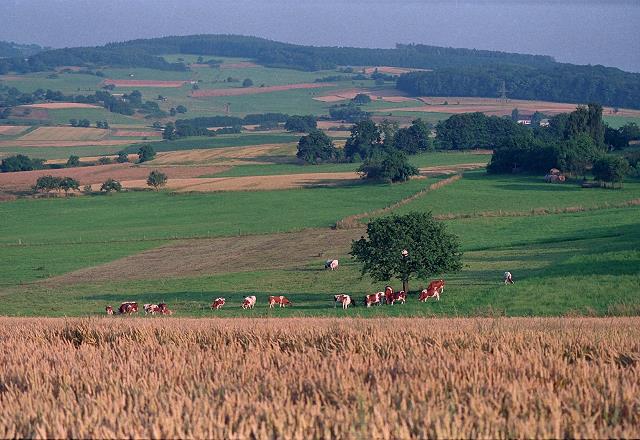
(389, 95)
(135, 133)
(202, 257)
(40, 114)
(282, 181)
(21, 143)
(440, 378)
(325, 125)
(143, 83)
(259, 154)
(254, 90)
(389, 70)
(12, 130)
(59, 105)
(493, 106)
(24, 180)
(65, 134)
(238, 65)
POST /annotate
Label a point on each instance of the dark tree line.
(549, 82)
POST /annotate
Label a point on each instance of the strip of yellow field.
(283, 181)
(228, 155)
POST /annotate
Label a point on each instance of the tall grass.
(387, 378)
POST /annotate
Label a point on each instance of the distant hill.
(9, 49)
(456, 72)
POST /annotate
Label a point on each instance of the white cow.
(345, 300)
(508, 278)
(331, 264)
(249, 302)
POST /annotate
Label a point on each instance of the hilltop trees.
(317, 147)
(20, 162)
(302, 124)
(431, 250)
(146, 153)
(388, 166)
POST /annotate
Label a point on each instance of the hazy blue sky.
(578, 31)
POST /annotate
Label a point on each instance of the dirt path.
(220, 255)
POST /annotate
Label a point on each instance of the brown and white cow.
(217, 303)
(151, 309)
(374, 298)
(331, 264)
(109, 310)
(343, 299)
(164, 309)
(249, 302)
(280, 300)
(388, 295)
(434, 290)
(128, 307)
(399, 296)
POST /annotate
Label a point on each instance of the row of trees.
(382, 148)
(548, 82)
(46, 184)
(574, 143)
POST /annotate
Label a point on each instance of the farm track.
(320, 378)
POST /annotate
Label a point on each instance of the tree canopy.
(317, 147)
(431, 250)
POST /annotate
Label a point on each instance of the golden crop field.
(320, 378)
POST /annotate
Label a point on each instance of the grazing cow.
(128, 307)
(151, 309)
(508, 278)
(343, 299)
(388, 295)
(399, 296)
(434, 290)
(331, 264)
(164, 310)
(281, 300)
(249, 302)
(217, 303)
(374, 298)
(109, 310)
(554, 178)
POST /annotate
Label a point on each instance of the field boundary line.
(539, 211)
(352, 221)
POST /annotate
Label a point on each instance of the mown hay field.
(320, 378)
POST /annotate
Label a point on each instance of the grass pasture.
(547, 371)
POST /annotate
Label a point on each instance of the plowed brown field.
(22, 181)
(12, 130)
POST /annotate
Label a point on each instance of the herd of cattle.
(388, 297)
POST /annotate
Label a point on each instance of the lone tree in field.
(430, 249)
(73, 161)
(146, 153)
(156, 179)
(388, 166)
(247, 82)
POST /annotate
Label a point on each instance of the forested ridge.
(553, 82)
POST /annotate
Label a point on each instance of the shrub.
(111, 185)
(388, 166)
(146, 153)
(156, 179)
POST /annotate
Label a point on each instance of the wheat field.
(320, 378)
